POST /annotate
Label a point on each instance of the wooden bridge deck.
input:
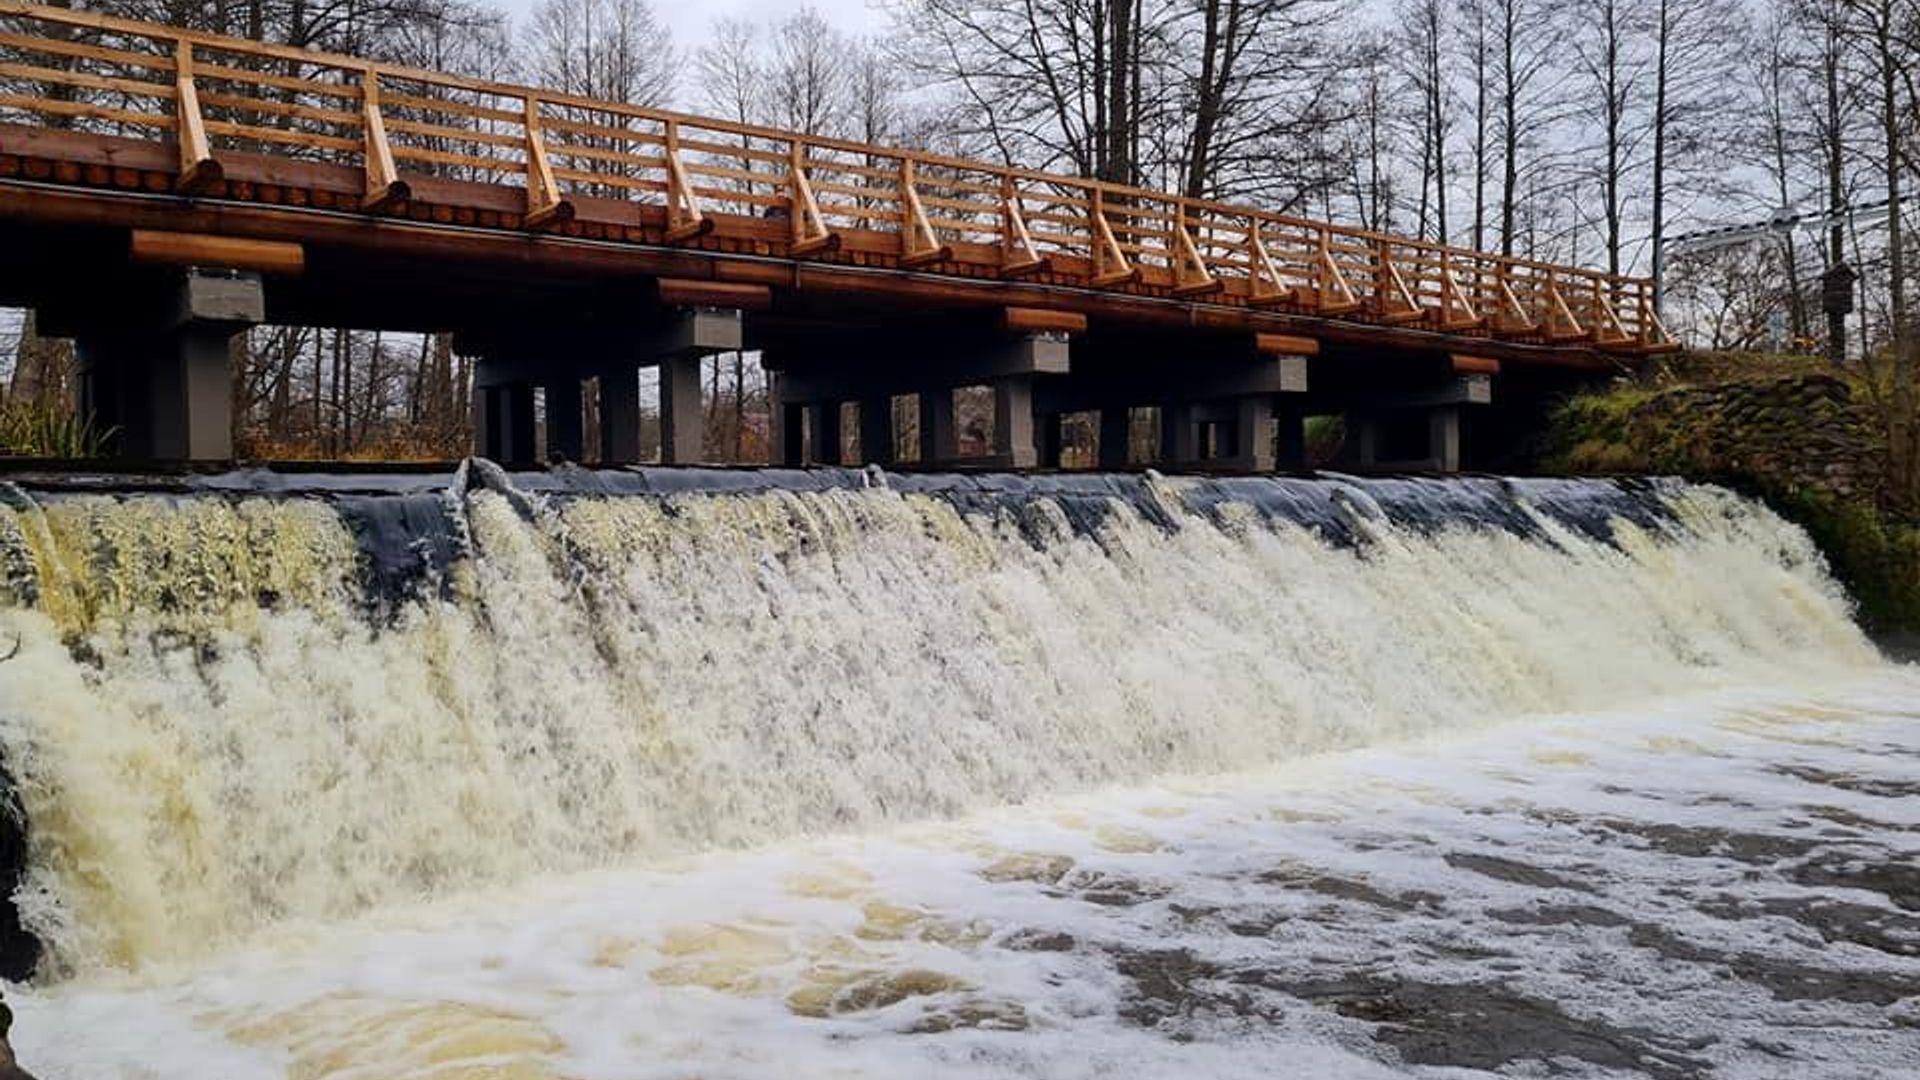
(111, 123)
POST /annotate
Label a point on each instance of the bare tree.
(615, 50)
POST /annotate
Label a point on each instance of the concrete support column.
(876, 430)
(823, 420)
(164, 377)
(1051, 439)
(1013, 436)
(619, 415)
(1443, 438)
(1364, 431)
(939, 441)
(192, 386)
(1179, 434)
(787, 427)
(1116, 436)
(112, 384)
(1290, 448)
(506, 428)
(1252, 431)
(566, 431)
(682, 422)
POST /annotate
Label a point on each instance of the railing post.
(685, 220)
(1018, 256)
(384, 187)
(1110, 265)
(918, 244)
(810, 232)
(545, 207)
(199, 172)
(1190, 274)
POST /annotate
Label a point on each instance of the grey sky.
(689, 19)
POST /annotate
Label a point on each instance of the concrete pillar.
(506, 432)
(192, 387)
(1364, 431)
(1252, 434)
(566, 435)
(1013, 435)
(1116, 437)
(787, 437)
(1290, 445)
(1443, 438)
(1179, 434)
(619, 415)
(823, 420)
(876, 430)
(111, 386)
(164, 375)
(939, 441)
(682, 423)
(1051, 439)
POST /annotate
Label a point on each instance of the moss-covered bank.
(1780, 428)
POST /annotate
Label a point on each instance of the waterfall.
(241, 700)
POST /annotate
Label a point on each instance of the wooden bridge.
(161, 189)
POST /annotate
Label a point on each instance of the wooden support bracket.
(1018, 256)
(1334, 294)
(199, 172)
(1653, 332)
(1457, 310)
(384, 188)
(1263, 275)
(810, 232)
(545, 208)
(1560, 323)
(918, 244)
(1607, 327)
(1393, 301)
(1110, 265)
(1514, 318)
(1190, 274)
(685, 219)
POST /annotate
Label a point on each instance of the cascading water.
(252, 700)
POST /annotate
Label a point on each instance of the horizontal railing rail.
(210, 95)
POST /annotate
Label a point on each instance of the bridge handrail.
(1116, 236)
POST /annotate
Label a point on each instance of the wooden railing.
(211, 96)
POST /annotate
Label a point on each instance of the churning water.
(450, 777)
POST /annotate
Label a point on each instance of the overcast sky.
(689, 19)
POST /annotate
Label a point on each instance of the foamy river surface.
(1721, 885)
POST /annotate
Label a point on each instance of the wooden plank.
(1285, 345)
(1463, 364)
(203, 249)
(155, 61)
(60, 77)
(282, 136)
(208, 71)
(292, 110)
(1021, 320)
(84, 111)
(684, 292)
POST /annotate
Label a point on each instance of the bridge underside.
(153, 285)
